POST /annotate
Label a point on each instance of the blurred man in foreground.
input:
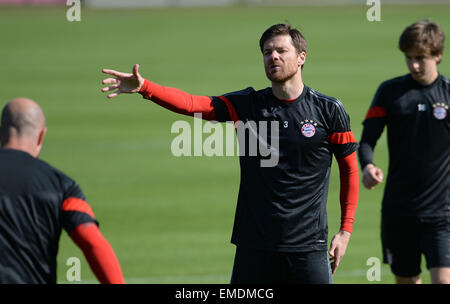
(37, 201)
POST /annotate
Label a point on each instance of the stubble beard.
(281, 77)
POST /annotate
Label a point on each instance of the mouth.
(273, 68)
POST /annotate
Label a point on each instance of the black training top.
(36, 202)
(418, 134)
(284, 187)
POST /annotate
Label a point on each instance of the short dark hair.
(424, 35)
(298, 39)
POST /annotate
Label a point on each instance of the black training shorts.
(406, 238)
(265, 267)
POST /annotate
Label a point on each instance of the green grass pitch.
(170, 219)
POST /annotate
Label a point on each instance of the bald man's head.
(22, 120)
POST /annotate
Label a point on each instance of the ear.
(41, 136)
(41, 140)
(438, 58)
(301, 58)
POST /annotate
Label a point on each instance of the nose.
(274, 55)
(415, 65)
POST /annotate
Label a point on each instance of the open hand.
(123, 82)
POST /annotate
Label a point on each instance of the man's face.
(281, 60)
(422, 65)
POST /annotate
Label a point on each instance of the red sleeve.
(98, 252)
(348, 172)
(178, 101)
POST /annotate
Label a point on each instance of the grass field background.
(169, 219)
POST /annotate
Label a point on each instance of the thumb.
(379, 175)
(332, 249)
(136, 70)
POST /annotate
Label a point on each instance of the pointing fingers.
(109, 80)
(116, 73)
(110, 88)
(112, 95)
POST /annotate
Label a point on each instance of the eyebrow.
(417, 57)
(275, 48)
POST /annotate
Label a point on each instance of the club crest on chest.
(440, 110)
(308, 127)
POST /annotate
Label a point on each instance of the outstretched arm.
(98, 252)
(173, 99)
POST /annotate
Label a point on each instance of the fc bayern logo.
(308, 130)
(440, 112)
